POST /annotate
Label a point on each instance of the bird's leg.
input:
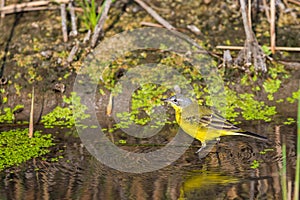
(206, 148)
(203, 145)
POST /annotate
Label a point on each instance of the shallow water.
(223, 175)
(226, 174)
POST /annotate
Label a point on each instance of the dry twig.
(30, 131)
(101, 22)
(73, 19)
(2, 4)
(266, 10)
(154, 14)
(272, 27)
(13, 8)
(73, 52)
(64, 21)
(276, 48)
(295, 2)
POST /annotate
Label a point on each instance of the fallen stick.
(272, 27)
(64, 21)
(19, 7)
(30, 130)
(276, 48)
(151, 24)
(31, 9)
(266, 10)
(1, 6)
(74, 31)
(101, 22)
(73, 52)
(294, 2)
(156, 16)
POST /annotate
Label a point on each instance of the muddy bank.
(33, 53)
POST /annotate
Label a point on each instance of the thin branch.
(276, 48)
(101, 22)
(295, 2)
(21, 6)
(151, 24)
(64, 21)
(73, 19)
(154, 14)
(27, 9)
(266, 10)
(249, 13)
(73, 52)
(2, 5)
(272, 27)
(30, 131)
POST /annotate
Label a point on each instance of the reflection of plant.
(254, 164)
(16, 147)
(64, 116)
(286, 191)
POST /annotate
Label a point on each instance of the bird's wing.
(206, 118)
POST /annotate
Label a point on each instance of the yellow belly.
(200, 133)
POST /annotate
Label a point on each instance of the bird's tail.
(253, 135)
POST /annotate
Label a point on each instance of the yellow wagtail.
(202, 123)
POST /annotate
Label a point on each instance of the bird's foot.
(206, 148)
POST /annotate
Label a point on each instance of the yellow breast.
(196, 130)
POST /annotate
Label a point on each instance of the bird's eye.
(175, 100)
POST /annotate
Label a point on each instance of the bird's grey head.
(179, 100)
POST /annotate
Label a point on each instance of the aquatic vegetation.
(237, 104)
(17, 147)
(7, 115)
(64, 116)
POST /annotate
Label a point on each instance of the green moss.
(64, 116)
(244, 104)
(7, 115)
(16, 147)
(293, 97)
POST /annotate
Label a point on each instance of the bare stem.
(64, 21)
(30, 132)
(101, 22)
(156, 16)
(73, 19)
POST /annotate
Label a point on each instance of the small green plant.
(266, 50)
(7, 115)
(16, 147)
(251, 109)
(91, 13)
(64, 116)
